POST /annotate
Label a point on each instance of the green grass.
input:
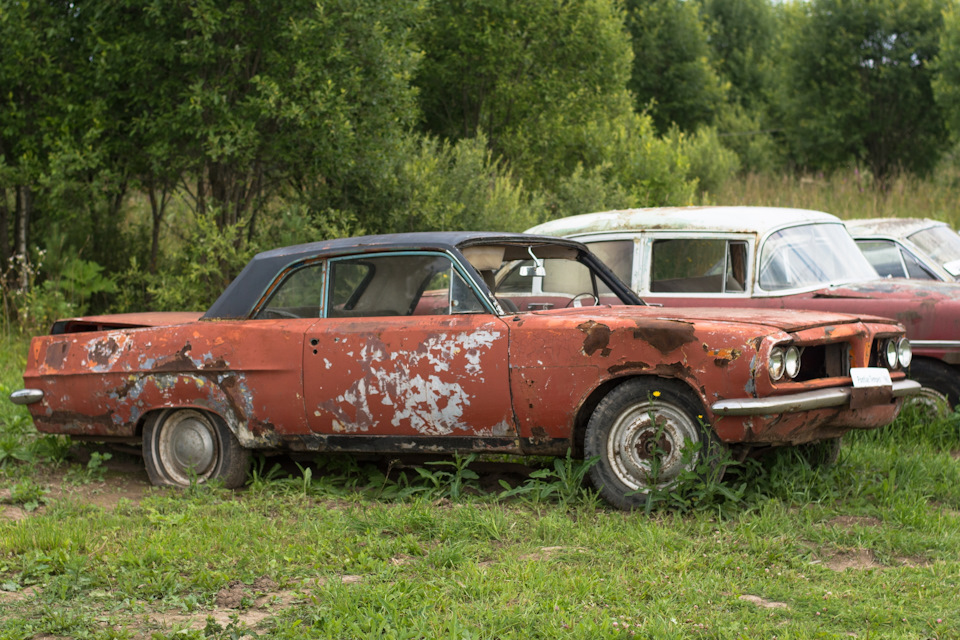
(342, 551)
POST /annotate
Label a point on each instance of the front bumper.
(805, 401)
(26, 396)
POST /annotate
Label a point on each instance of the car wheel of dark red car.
(941, 388)
(640, 431)
(185, 445)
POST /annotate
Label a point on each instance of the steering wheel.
(596, 300)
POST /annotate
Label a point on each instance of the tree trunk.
(5, 250)
(24, 210)
(158, 208)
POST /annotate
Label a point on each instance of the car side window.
(398, 285)
(616, 254)
(698, 265)
(884, 256)
(916, 270)
(298, 296)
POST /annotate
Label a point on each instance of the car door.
(406, 348)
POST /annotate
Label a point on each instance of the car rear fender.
(224, 395)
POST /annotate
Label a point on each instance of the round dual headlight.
(904, 352)
(791, 361)
(890, 354)
(776, 365)
(784, 361)
(897, 352)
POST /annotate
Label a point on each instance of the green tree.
(946, 82)
(672, 67)
(32, 37)
(743, 35)
(859, 85)
(540, 79)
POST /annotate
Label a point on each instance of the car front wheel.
(940, 382)
(646, 434)
(181, 446)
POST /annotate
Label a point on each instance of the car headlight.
(776, 365)
(890, 354)
(791, 361)
(905, 353)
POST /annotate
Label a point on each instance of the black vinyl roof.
(247, 288)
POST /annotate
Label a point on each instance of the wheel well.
(590, 404)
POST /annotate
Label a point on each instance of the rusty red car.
(458, 342)
(773, 258)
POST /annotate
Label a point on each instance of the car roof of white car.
(725, 219)
(890, 227)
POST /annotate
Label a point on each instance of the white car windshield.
(812, 255)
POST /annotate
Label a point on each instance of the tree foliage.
(166, 140)
(947, 80)
(859, 84)
(673, 68)
(539, 78)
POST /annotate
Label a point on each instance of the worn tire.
(185, 445)
(941, 385)
(819, 455)
(622, 432)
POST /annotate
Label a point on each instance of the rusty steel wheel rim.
(188, 446)
(645, 430)
(932, 403)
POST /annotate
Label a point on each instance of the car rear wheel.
(641, 432)
(181, 446)
(941, 386)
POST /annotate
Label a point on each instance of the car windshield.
(811, 255)
(942, 244)
(527, 278)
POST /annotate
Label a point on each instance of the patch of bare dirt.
(912, 561)
(545, 553)
(246, 604)
(849, 522)
(6, 597)
(858, 560)
(124, 479)
(12, 512)
(762, 602)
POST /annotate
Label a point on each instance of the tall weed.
(849, 194)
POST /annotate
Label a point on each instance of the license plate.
(870, 377)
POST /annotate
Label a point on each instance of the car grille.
(824, 361)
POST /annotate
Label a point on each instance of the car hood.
(888, 288)
(788, 320)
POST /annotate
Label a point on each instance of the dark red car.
(458, 342)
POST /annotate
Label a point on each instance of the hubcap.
(188, 446)
(646, 445)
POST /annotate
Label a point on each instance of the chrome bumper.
(26, 396)
(806, 401)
